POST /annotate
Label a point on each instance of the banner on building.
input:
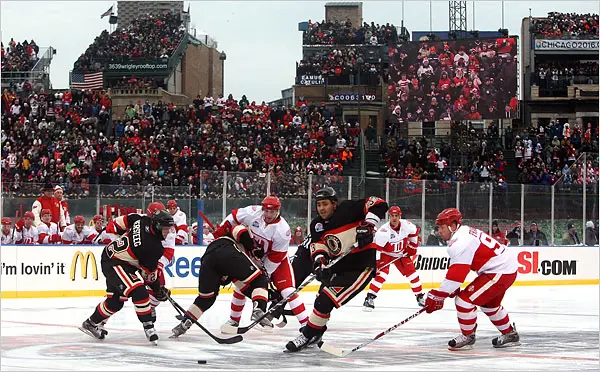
(312, 80)
(559, 44)
(137, 66)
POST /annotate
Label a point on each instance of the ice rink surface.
(558, 327)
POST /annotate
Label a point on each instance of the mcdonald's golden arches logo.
(85, 262)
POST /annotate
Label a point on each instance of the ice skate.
(510, 339)
(150, 332)
(421, 299)
(93, 330)
(230, 327)
(181, 328)
(462, 342)
(299, 343)
(265, 324)
(369, 304)
(316, 339)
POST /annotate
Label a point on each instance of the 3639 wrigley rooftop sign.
(559, 44)
(137, 66)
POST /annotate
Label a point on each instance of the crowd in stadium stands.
(340, 66)
(453, 80)
(149, 38)
(344, 33)
(546, 154)
(19, 56)
(567, 25)
(133, 82)
(542, 155)
(554, 73)
(68, 139)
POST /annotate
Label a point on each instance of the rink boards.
(74, 270)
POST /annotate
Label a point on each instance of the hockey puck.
(201, 361)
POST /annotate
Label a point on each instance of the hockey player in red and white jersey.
(48, 230)
(8, 236)
(76, 233)
(271, 234)
(207, 234)
(58, 194)
(180, 223)
(496, 267)
(396, 240)
(28, 233)
(99, 234)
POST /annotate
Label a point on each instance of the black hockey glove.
(257, 252)
(323, 273)
(162, 294)
(364, 234)
(274, 298)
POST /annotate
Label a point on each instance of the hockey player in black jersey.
(333, 233)
(137, 251)
(226, 260)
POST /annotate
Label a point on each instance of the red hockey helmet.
(29, 214)
(395, 210)
(45, 211)
(6, 221)
(98, 218)
(155, 206)
(447, 216)
(172, 204)
(271, 203)
(79, 219)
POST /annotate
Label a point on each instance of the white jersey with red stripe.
(181, 227)
(273, 237)
(101, 237)
(71, 236)
(472, 249)
(29, 235)
(401, 241)
(47, 231)
(11, 238)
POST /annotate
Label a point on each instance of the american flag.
(86, 81)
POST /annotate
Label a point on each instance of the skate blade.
(508, 344)
(175, 336)
(227, 329)
(367, 309)
(466, 347)
(90, 333)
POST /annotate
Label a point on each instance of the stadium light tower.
(457, 19)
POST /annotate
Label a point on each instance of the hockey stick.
(342, 353)
(307, 281)
(206, 220)
(181, 311)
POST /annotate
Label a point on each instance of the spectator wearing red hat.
(48, 230)
(28, 232)
(9, 236)
(48, 201)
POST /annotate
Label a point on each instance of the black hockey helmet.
(326, 193)
(161, 219)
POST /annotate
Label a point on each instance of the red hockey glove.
(54, 238)
(178, 241)
(20, 224)
(435, 300)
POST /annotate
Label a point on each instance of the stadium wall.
(74, 270)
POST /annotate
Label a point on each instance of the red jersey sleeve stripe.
(458, 272)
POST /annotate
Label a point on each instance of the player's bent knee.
(324, 304)
(114, 304)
